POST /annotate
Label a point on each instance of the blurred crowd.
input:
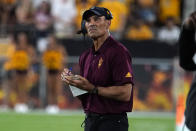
(133, 19)
(36, 30)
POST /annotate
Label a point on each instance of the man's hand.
(76, 80)
(190, 22)
(66, 72)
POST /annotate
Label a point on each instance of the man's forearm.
(121, 93)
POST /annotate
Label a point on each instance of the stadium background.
(28, 76)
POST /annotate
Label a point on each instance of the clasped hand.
(76, 80)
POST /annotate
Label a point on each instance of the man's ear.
(108, 23)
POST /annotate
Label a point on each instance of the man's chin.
(93, 36)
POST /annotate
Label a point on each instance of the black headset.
(83, 28)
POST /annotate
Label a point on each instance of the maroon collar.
(103, 47)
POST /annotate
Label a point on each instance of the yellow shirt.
(80, 10)
(53, 60)
(20, 60)
(169, 8)
(9, 54)
(117, 9)
(143, 33)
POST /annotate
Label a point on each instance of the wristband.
(94, 90)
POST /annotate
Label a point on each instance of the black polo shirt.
(109, 66)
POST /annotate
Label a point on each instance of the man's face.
(97, 26)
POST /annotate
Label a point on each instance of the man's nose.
(91, 22)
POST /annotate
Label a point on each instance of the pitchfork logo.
(100, 62)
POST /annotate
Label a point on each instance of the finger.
(73, 84)
(66, 70)
(69, 78)
(73, 81)
(70, 73)
(80, 77)
(64, 79)
(77, 82)
(70, 81)
(64, 73)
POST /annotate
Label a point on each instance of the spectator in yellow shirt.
(169, 8)
(119, 12)
(139, 31)
(81, 6)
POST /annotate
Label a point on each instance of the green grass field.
(10, 121)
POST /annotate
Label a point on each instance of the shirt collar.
(103, 46)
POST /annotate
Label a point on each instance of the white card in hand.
(76, 91)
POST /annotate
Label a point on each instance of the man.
(170, 32)
(64, 13)
(106, 73)
(187, 50)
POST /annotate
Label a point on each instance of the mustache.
(92, 27)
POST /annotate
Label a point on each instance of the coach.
(106, 73)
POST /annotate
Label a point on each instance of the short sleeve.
(122, 68)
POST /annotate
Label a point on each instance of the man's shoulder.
(118, 46)
(85, 53)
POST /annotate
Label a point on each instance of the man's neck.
(99, 41)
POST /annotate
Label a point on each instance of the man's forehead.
(94, 16)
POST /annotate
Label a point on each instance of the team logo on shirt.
(128, 74)
(100, 62)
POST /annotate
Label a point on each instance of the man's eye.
(97, 18)
(87, 20)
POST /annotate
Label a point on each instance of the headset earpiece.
(83, 28)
